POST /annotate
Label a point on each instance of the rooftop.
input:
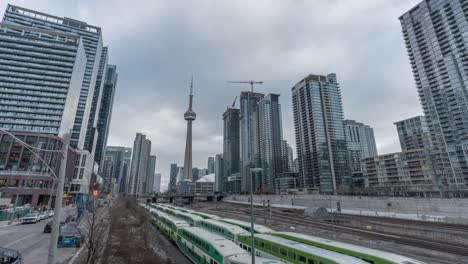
(224, 246)
(258, 228)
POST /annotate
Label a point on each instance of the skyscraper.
(220, 180)
(287, 157)
(172, 187)
(139, 169)
(231, 144)
(320, 133)
(211, 162)
(150, 174)
(105, 110)
(435, 37)
(41, 73)
(413, 133)
(249, 140)
(115, 168)
(360, 142)
(92, 40)
(91, 132)
(157, 183)
(270, 134)
(190, 116)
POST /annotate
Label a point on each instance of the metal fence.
(11, 214)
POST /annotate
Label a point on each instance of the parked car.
(69, 236)
(50, 213)
(10, 256)
(31, 218)
(48, 226)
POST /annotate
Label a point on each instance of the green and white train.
(204, 247)
(367, 254)
(247, 226)
(226, 230)
(166, 223)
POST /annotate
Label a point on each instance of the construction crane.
(234, 103)
(250, 82)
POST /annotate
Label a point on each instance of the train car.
(204, 247)
(246, 225)
(206, 216)
(226, 230)
(168, 224)
(368, 254)
(189, 218)
(270, 246)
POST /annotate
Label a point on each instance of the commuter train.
(368, 254)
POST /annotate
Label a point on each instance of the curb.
(72, 260)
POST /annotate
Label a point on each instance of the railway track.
(406, 240)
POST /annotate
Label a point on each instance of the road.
(32, 242)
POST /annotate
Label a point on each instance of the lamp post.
(252, 170)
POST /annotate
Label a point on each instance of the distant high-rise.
(211, 162)
(360, 142)
(92, 39)
(92, 132)
(231, 145)
(139, 169)
(195, 174)
(270, 135)
(157, 183)
(115, 168)
(105, 110)
(288, 157)
(320, 133)
(435, 37)
(249, 140)
(150, 174)
(172, 187)
(414, 133)
(220, 180)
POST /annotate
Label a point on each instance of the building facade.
(172, 186)
(320, 133)
(84, 168)
(249, 137)
(115, 168)
(139, 168)
(150, 174)
(360, 142)
(211, 164)
(413, 133)
(231, 144)
(434, 33)
(92, 40)
(270, 141)
(157, 183)
(220, 181)
(105, 111)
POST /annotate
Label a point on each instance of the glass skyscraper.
(231, 144)
(320, 133)
(360, 142)
(92, 40)
(435, 37)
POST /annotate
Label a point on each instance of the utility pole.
(252, 170)
(58, 205)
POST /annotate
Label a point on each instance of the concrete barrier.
(453, 210)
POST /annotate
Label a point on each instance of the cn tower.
(189, 116)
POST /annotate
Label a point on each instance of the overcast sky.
(157, 45)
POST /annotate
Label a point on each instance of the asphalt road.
(32, 242)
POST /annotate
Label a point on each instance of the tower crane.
(249, 82)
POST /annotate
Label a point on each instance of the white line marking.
(21, 239)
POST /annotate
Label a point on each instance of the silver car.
(31, 218)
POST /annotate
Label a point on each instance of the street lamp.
(252, 170)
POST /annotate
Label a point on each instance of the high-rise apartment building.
(157, 183)
(360, 142)
(41, 72)
(435, 37)
(270, 134)
(220, 180)
(115, 168)
(105, 111)
(288, 157)
(211, 162)
(231, 144)
(150, 174)
(92, 40)
(91, 132)
(413, 133)
(139, 168)
(249, 137)
(172, 186)
(320, 133)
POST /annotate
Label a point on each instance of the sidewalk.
(6, 223)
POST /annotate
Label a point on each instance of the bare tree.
(96, 226)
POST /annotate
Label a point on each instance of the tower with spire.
(190, 116)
